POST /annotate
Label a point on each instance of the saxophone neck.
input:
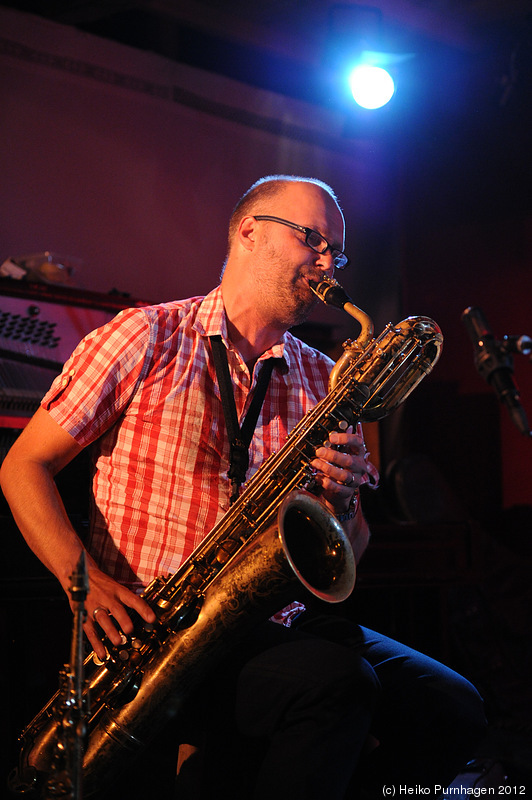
(366, 326)
(332, 293)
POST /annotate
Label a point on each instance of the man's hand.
(341, 468)
(107, 604)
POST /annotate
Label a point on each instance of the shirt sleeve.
(100, 377)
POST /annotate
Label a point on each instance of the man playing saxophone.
(144, 392)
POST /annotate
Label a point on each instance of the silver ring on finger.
(99, 608)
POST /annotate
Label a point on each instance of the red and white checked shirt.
(142, 389)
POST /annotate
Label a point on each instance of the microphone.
(518, 344)
(495, 365)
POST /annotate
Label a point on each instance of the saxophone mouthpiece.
(330, 292)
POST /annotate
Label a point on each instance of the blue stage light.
(372, 87)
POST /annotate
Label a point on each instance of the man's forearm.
(40, 515)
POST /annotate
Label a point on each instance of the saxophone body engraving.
(275, 542)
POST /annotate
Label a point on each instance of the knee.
(464, 697)
(344, 680)
(458, 706)
(471, 709)
(292, 679)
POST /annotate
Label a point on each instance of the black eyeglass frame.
(335, 253)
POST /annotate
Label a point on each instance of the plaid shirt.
(143, 391)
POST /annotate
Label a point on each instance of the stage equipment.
(65, 781)
(358, 57)
(40, 326)
(371, 87)
(494, 362)
(276, 541)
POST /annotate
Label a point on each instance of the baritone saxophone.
(275, 542)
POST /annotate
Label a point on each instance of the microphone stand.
(494, 363)
(65, 780)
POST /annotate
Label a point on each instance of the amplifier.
(40, 325)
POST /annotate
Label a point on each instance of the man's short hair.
(253, 201)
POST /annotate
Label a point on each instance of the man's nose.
(325, 262)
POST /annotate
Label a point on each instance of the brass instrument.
(275, 541)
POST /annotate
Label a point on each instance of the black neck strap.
(239, 437)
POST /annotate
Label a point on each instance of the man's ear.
(247, 232)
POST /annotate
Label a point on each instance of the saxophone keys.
(99, 662)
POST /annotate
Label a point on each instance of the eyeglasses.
(313, 239)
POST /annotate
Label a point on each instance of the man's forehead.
(310, 197)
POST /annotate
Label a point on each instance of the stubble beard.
(286, 297)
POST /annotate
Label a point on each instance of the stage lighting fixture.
(360, 55)
(371, 87)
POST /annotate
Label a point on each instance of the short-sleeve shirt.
(142, 390)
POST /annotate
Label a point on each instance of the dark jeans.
(291, 714)
(296, 723)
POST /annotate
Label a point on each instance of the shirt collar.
(211, 321)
